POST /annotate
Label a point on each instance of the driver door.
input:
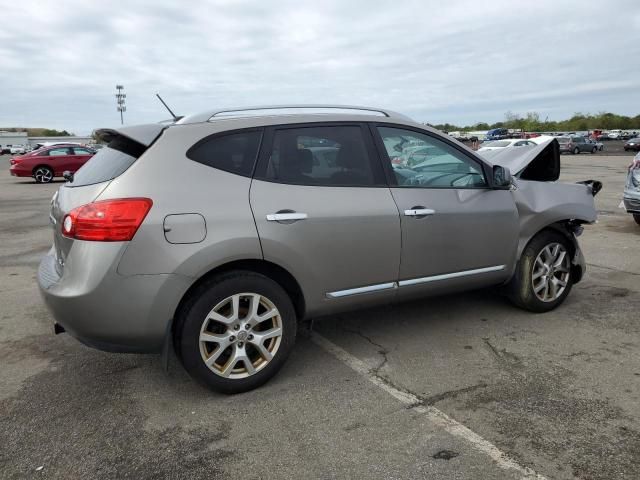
(456, 231)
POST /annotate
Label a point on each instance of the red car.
(46, 163)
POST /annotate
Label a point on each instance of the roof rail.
(272, 110)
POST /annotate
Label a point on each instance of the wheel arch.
(33, 170)
(269, 269)
(567, 228)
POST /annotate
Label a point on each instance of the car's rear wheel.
(236, 331)
(636, 217)
(576, 151)
(543, 276)
(43, 175)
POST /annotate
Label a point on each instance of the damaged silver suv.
(215, 233)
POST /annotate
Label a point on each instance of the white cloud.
(455, 61)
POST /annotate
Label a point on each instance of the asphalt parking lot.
(464, 386)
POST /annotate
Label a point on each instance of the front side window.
(420, 160)
(234, 152)
(323, 155)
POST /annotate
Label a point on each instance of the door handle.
(284, 217)
(419, 211)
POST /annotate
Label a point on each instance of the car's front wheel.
(543, 276)
(236, 331)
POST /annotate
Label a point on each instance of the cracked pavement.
(558, 392)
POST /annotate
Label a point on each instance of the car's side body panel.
(350, 251)
(349, 239)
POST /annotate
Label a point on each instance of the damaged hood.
(541, 163)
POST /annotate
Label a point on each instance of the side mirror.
(68, 176)
(501, 177)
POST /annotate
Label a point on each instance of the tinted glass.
(329, 156)
(108, 163)
(82, 151)
(235, 153)
(56, 152)
(419, 160)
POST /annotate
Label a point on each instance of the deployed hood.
(142, 134)
(541, 162)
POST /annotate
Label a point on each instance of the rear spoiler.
(144, 135)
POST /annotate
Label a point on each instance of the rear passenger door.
(325, 213)
(61, 159)
(80, 157)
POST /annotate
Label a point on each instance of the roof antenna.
(175, 117)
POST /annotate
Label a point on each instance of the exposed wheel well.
(565, 228)
(264, 267)
(33, 170)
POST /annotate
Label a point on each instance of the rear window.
(233, 152)
(109, 162)
(564, 140)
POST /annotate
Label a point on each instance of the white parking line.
(436, 416)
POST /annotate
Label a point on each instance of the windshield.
(108, 163)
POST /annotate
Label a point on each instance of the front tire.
(594, 150)
(542, 279)
(636, 217)
(236, 331)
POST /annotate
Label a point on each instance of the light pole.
(120, 98)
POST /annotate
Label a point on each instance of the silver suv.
(216, 233)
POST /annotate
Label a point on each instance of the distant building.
(7, 139)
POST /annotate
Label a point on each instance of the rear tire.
(636, 217)
(542, 279)
(43, 175)
(576, 151)
(221, 339)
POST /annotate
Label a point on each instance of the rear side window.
(234, 152)
(109, 162)
(323, 156)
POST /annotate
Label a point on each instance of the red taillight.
(114, 220)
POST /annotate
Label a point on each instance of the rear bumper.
(105, 310)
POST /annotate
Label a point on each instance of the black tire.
(576, 151)
(43, 174)
(195, 311)
(520, 288)
(594, 150)
(636, 217)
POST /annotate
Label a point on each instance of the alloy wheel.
(240, 335)
(550, 273)
(43, 175)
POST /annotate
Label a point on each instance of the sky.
(452, 61)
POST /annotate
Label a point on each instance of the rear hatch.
(123, 147)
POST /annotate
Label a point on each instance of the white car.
(500, 144)
(18, 150)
